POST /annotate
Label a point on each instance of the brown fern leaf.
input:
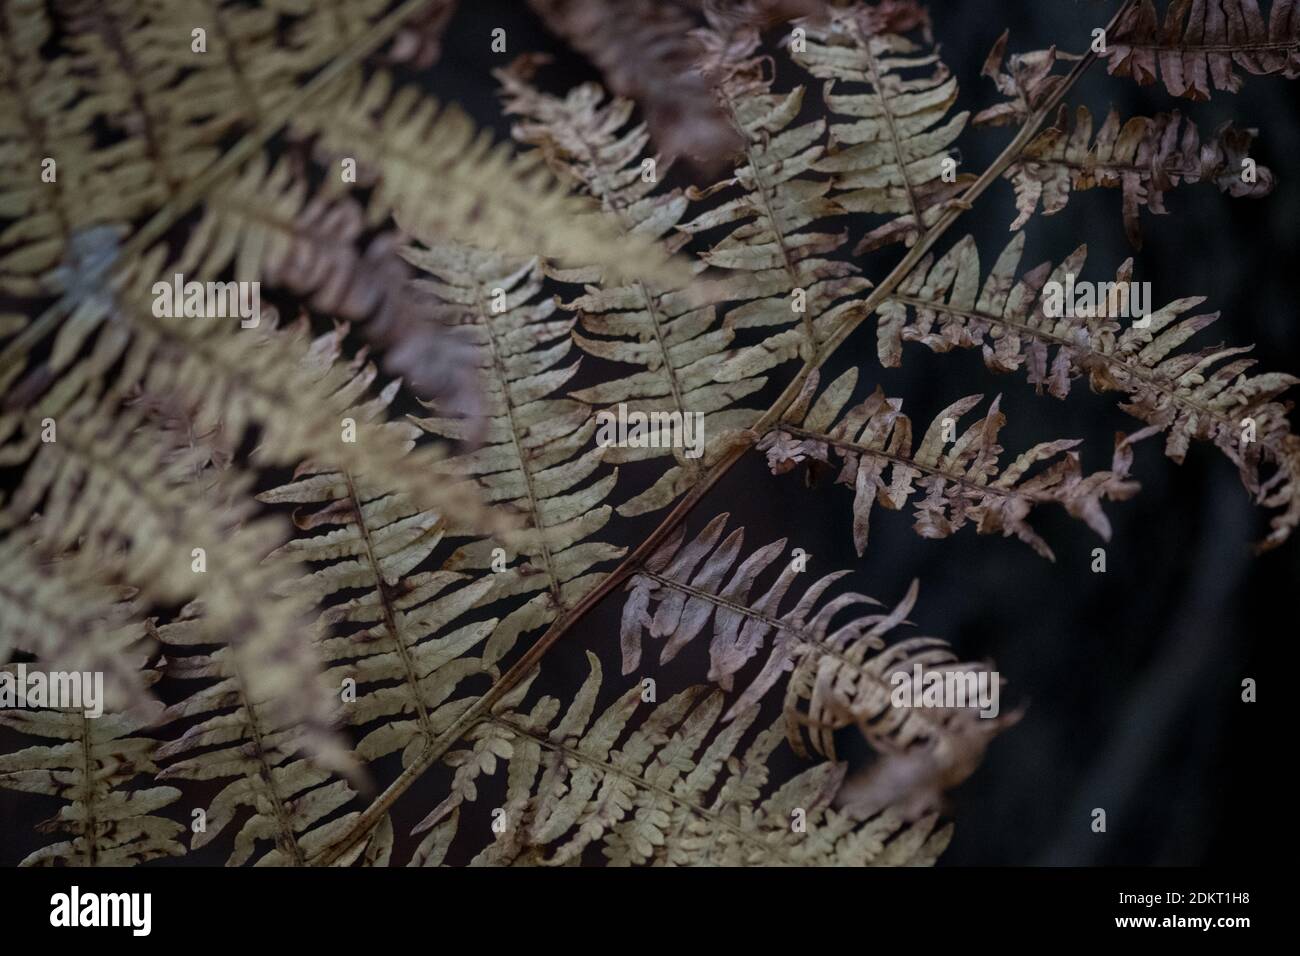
(671, 332)
(131, 110)
(894, 95)
(1202, 44)
(777, 266)
(65, 613)
(536, 457)
(646, 53)
(92, 764)
(644, 50)
(1142, 158)
(1026, 79)
(270, 225)
(961, 483)
(449, 181)
(674, 790)
(1203, 395)
(843, 675)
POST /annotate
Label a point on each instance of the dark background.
(1131, 678)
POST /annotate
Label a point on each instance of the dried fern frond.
(893, 96)
(450, 181)
(536, 452)
(838, 673)
(129, 112)
(242, 378)
(672, 791)
(382, 623)
(101, 488)
(238, 726)
(65, 613)
(956, 470)
(777, 267)
(1026, 80)
(1200, 44)
(644, 50)
(924, 750)
(43, 216)
(1204, 395)
(670, 332)
(152, 526)
(267, 224)
(110, 816)
(1142, 158)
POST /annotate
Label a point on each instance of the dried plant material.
(537, 450)
(646, 52)
(238, 726)
(1200, 44)
(853, 680)
(674, 790)
(67, 614)
(242, 378)
(914, 779)
(136, 115)
(842, 675)
(1027, 81)
(151, 538)
(419, 42)
(450, 182)
(894, 95)
(1143, 158)
(671, 332)
(1203, 395)
(268, 223)
(956, 470)
(101, 768)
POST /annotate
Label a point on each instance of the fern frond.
(1203, 395)
(837, 672)
(644, 796)
(382, 624)
(246, 378)
(1026, 79)
(771, 200)
(68, 616)
(109, 817)
(108, 814)
(644, 51)
(957, 471)
(269, 225)
(670, 332)
(43, 216)
(450, 181)
(893, 96)
(1200, 44)
(1142, 158)
(150, 530)
(536, 451)
(241, 728)
(925, 748)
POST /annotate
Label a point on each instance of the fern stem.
(371, 816)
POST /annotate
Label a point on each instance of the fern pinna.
(325, 557)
